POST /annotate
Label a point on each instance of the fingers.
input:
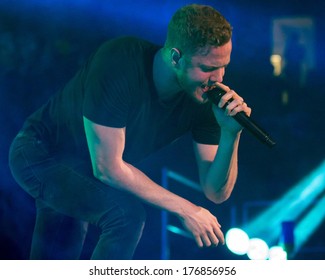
(237, 106)
(234, 104)
(204, 227)
(210, 238)
(218, 233)
(222, 86)
(199, 241)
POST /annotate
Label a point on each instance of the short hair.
(195, 27)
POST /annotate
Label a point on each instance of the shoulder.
(124, 51)
(126, 45)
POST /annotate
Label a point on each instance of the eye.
(208, 69)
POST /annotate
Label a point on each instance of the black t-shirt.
(115, 88)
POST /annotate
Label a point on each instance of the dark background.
(42, 44)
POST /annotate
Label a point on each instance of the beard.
(195, 90)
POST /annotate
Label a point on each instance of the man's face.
(198, 73)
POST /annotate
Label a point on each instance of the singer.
(76, 155)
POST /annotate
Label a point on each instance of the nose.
(217, 75)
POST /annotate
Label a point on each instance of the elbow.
(217, 197)
(100, 176)
(108, 177)
(219, 193)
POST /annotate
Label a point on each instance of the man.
(76, 154)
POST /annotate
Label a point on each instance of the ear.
(175, 56)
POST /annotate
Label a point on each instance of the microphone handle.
(247, 122)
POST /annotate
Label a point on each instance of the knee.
(128, 216)
(134, 214)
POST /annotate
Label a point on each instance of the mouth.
(205, 88)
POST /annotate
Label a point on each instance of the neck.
(164, 77)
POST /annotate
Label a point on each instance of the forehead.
(213, 56)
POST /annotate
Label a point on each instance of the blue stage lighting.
(237, 241)
(290, 207)
(305, 228)
(257, 249)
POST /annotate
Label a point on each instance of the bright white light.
(276, 61)
(277, 253)
(257, 249)
(237, 241)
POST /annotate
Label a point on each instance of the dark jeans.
(68, 197)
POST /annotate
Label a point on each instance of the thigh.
(65, 183)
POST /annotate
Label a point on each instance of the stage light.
(290, 207)
(276, 61)
(305, 228)
(179, 231)
(277, 253)
(257, 249)
(265, 230)
(237, 241)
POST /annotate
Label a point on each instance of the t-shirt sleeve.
(106, 94)
(206, 130)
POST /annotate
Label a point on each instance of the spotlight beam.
(309, 224)
(268, 224)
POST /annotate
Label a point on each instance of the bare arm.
(218, 164)
(218, 167)
(106, 146)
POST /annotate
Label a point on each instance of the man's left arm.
(217, 165)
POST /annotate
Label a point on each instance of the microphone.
(214, 96)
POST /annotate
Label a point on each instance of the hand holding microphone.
(215, 94)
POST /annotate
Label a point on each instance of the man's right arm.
(106, 147)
